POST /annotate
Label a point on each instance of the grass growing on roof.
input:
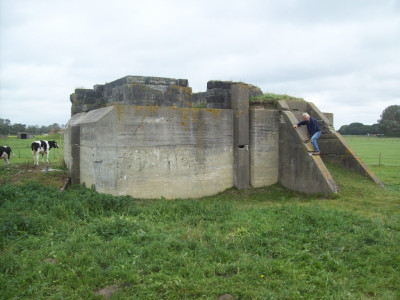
(272, 98)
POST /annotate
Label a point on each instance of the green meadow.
(382, 155)
(23, 152)
(265, 243)
(376, 151)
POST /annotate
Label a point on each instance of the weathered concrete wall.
(85, 100)
(72, 140)
(140, 136)
(264, 146)
(154, 91)
(143, 88)
(134, 90)
(240, 105)
(99, 150)
(152, 152)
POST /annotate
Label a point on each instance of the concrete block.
(241, 169)
(241, 127)
(99, 88)
(175, 153)
(218, 98)
(199, 99)
(327, 136)
(298, 105)
(136, 90)
(161, 81)
(298, 115)
(264, 146)
(240, 96)
(329, 116)
(183, 82)
(216, 84)
(154, 152)
(282, 105)
(74, 169)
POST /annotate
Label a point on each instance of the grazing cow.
(42, 147)
(5, 153)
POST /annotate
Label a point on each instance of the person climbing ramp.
(313, 130)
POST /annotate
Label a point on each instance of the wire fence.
(381, 159)
(24, 153)
(376, 151)
(21, 148)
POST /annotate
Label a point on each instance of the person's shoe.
(316, 153)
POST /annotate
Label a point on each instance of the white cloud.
(341, 55)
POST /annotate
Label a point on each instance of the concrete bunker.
(151, 137)
(24, 135)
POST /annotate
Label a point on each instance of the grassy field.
(23, 152)
(382, 155)
(266, 243)
(376, 151)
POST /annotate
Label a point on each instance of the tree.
(359, 129)
(17, 127)
(55, 127)
(5, 126)
(376, 129)
(344, 129)
(33, 129)
(390, 120)
(44, 129)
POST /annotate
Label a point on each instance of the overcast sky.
(342, 55)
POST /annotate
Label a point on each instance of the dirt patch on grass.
(107, 291)
(26, 173)
(51, 261)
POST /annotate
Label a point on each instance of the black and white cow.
(42, 147)
(5, 153)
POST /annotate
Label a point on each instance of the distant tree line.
(388, 124)
(6, 128)
(360, 129)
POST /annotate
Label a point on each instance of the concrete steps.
(332, 145)
(298, 169)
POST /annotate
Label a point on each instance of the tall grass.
(271, 97)
(266, 243)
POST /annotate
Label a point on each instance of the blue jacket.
(312, 126)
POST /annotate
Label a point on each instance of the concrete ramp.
(299, 170)
(334, 147)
